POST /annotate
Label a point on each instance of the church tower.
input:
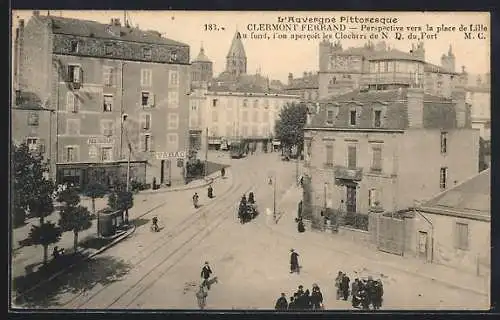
(236, 59)
(201, 67)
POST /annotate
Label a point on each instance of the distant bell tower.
(236, 59)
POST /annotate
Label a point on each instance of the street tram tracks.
(221, 217)
(168, 237)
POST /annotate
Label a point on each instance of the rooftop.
(115, 31)
(472, 196)
(392, 54)
(309, 81)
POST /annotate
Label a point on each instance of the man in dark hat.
(299, 298)
(206, 272)
(281, 303)
(294, 261)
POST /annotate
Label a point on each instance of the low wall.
(355, 235)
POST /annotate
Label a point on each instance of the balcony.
(345, 173)
(386, 78)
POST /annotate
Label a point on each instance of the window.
(255, 116)
(32, 144)
(73, 127)
(108, 103)
(173, 77)
(71, 154)
(265, 117)
(146, 53)
(146, 121)
(214, 102)
(146, 78)
(372, 198)
(173, 56)
(255, 131)
(462, 235)
(107, 128)
(443, 177)
(352, 117)
(108, 49)
(214, 116)
(329, 116)
(74, 74)
(444, 142)
(329, 155)
(74, 46)
(173, 99)
(256, 103)
(351, 157)
(173, 121)
(146, 145)
(93, 151)
(245, 103)
(244, 116)
(72, 102)
(33, 119)
(108, 76)
(377, 159)
(173, 141)
(144, 98)
(193, 107)
(377, 121)
(106, 154)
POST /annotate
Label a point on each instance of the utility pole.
(206, 152)
(121, 112)
(274, 199)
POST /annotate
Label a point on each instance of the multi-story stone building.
(306, 87)
(387, 148)
(234, 104)
(478, 96)
(112, 86)
(377, 65)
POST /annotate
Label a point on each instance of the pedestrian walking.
(281, 303)
(316, 298)
(206, 272)
(300, 226)
(378, 294)
(201, 296)
(294, 262)
(354, 292)
(345, 286)
(338, 281)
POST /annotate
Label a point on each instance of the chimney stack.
(415, 104)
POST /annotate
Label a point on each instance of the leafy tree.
(289, 128)
(45, 234)
(28, 182)
(121, 200)
(95, 190)
(74, 217)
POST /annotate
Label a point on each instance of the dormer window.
(377, 118)
(108, 48)
(352, 117)
(173, 56)
(329, 116)
(74, 46)
(146, 53)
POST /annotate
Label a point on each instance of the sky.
(277, 58)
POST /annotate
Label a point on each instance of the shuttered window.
(462, 235)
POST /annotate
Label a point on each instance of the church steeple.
(236, 59)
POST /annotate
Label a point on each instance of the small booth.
(108, 222)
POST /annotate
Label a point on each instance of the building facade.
(479, 97)
(233, 105)
(377, 65)
(367, 149)
(116, 90)
(453, 227)
(306, 87)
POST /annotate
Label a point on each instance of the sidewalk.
(436, 272)
(32, 256)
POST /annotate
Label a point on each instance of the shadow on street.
(140, 222)
(77, 280)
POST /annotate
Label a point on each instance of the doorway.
(422, 245)
(162, 172)
(351, 199)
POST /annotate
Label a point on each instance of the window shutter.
(70, 101)
(76, 102)
(77, 73)
(143, 121)
(151, 143)
(151, 99)
(65, 154)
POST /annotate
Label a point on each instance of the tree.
(28, 182)
(121, 200)
(74, 217)
(289, 127)
(45, 234)
(95, 190)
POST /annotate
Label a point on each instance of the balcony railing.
(346, 173)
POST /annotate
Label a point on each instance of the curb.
(390, 265)
(90, 256)
(208, 180)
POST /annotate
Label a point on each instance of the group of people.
(363, 292)
(302, 300)
(247, 209)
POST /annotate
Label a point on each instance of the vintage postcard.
(283, 161)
